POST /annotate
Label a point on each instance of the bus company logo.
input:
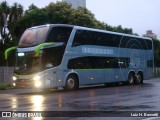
(97, 51)
(6, 114)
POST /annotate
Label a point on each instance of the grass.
(5, 86)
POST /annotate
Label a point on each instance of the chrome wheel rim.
(131, 79)
(70, 83)
(139, 78)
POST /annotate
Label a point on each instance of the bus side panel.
(50, 78)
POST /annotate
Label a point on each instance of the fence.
(6, 74)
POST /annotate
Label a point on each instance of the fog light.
(14, 78)
(36, 78)
(14, 84)
(38, 84)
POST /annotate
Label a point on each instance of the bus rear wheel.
(131, 79)
(71, 83)
(139, 78)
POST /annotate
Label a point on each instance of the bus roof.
(86, 28)
(51, 25)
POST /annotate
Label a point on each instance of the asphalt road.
(144, 97)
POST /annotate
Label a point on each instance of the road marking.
(152, 118)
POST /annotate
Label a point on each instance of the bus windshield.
(33, 37)
(27, 63)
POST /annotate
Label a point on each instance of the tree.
(32, 17)
(120, 29)
(59, 12)
(156, 44)
(4, 12)
(16, 13)
(82, 17)
(9, 17)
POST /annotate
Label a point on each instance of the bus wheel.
(139, 78)
(131, 79)
(71, 83)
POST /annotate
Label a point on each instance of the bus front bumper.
(27, 83)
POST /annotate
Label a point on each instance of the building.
(76, 3)
(150, 34)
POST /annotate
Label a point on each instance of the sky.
(140, 15)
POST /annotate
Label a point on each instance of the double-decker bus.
(57, 55)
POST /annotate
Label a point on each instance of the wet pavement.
(144, 97)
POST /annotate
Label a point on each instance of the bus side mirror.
(7, 51)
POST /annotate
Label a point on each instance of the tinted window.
(84, 37)
(98, 63)
(59, 34)
(123, 62)
(79, 63)
(136, 43)
(150, 63)
(41, 35)
(52, 57)
(33, 37)
(149, 44)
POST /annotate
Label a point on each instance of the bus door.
(109, 71)
(95, 73)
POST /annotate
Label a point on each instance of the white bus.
(68, 56)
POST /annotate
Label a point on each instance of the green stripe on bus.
(7, 51)
(39, 47)
(94, 69)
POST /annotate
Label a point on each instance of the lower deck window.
(98, 62)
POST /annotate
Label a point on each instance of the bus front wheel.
(131, 79)
(71, 83)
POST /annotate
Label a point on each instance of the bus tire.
(139, 78)
(131, 79)
(72, 83)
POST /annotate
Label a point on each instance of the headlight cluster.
(14, 78)
(36, 78)
(37, 82)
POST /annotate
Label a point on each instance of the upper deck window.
(59, 34)
(86, 37)
(33, 37)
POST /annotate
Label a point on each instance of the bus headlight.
(14, 78)
(36, 78)
(37, 84)
(14, 84)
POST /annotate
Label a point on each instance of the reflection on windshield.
(28, 64)
(33, 37)
(28, 38)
